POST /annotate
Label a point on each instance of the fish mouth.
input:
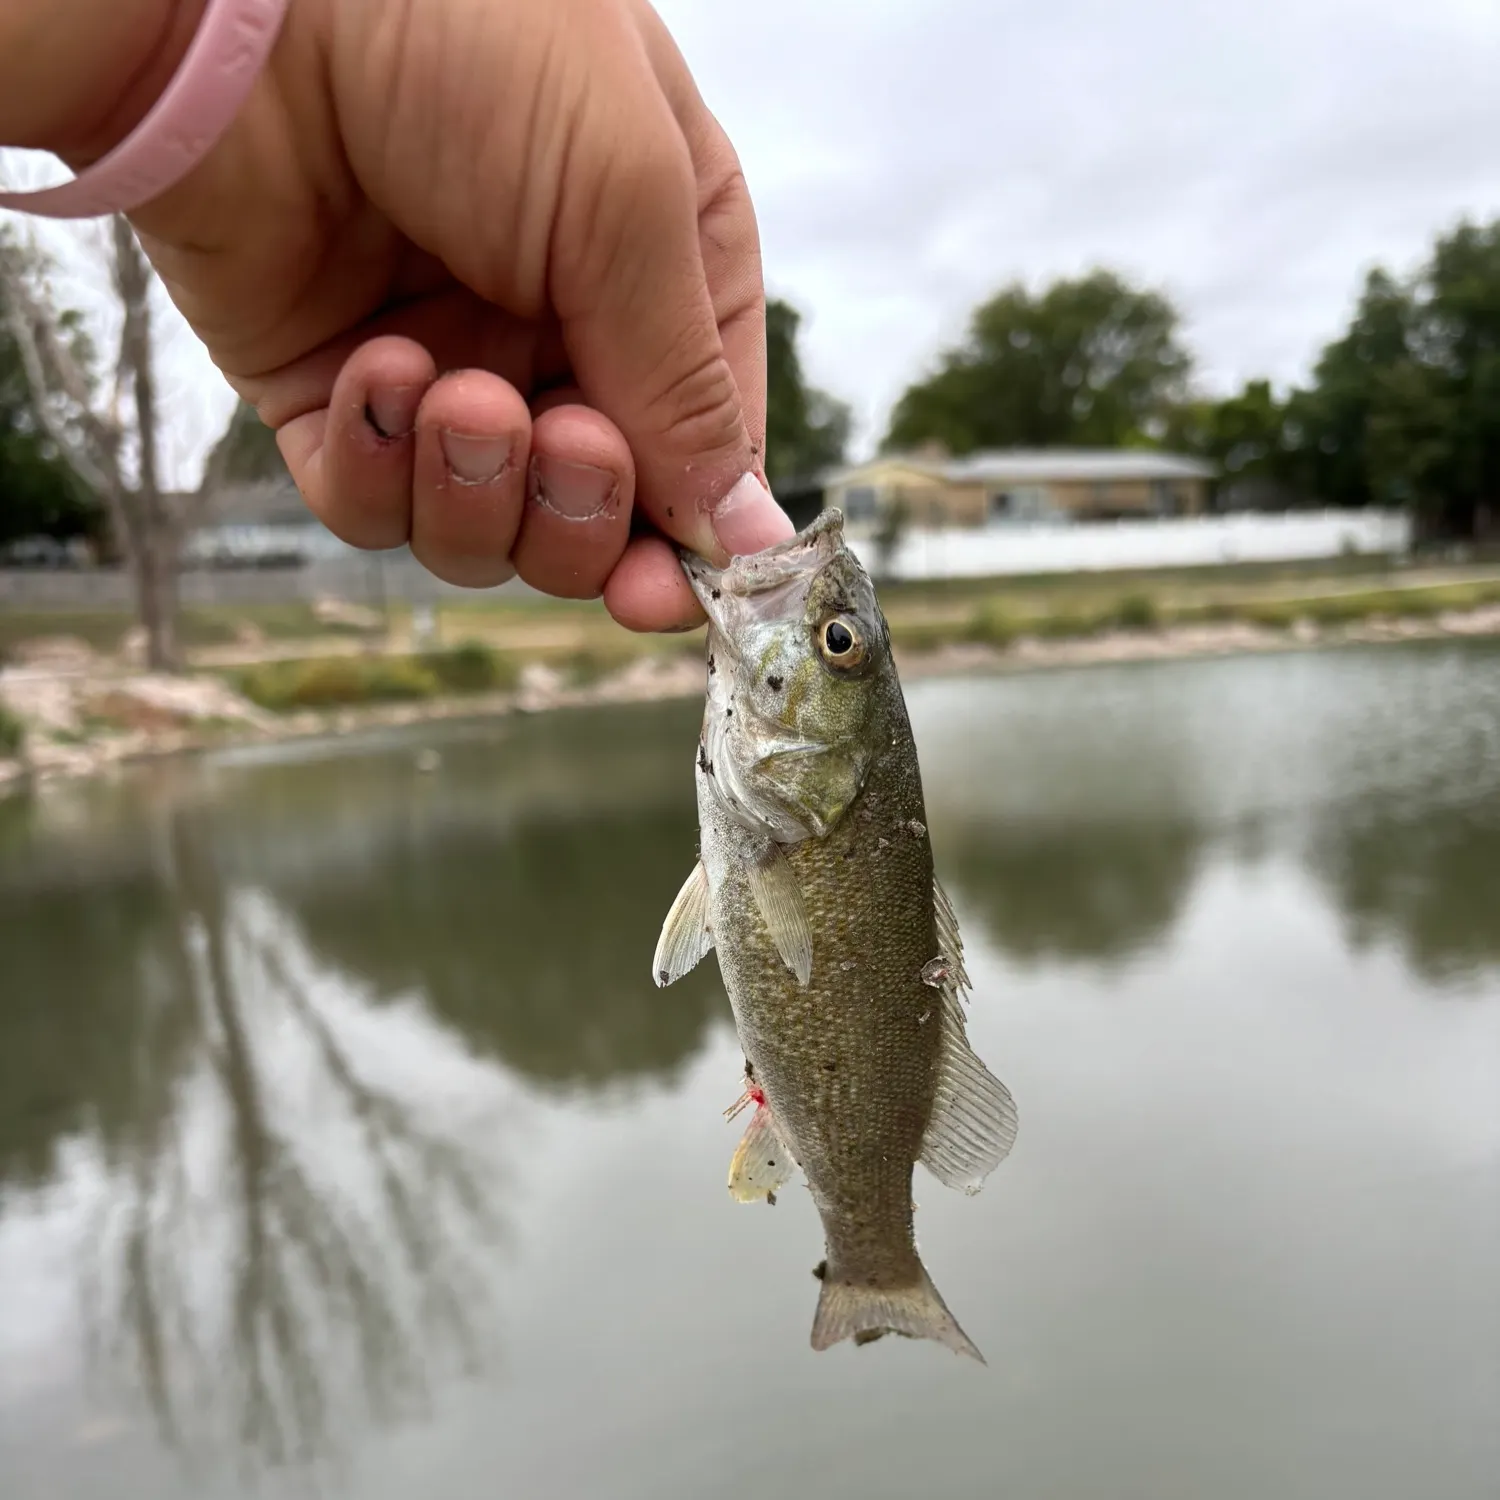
(760, 580)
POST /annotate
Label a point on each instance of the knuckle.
(697, 403)
(726, 220)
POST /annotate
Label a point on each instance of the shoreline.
(200, 714)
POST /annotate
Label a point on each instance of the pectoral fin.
(761, 1164)
(685, 938)
(974, 1120)
(780, 902)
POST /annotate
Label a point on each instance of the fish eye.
(840, 642)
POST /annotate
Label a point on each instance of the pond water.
(345, 1142)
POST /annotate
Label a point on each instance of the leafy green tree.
(1455, 388)
(39, 495)
(1404, 409)
(1245, 436)
(1091, 361)
(1331, 420)
(806, 429)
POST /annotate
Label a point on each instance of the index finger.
(642, 330)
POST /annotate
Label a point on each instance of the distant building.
(802, 498)
(1021, 487)
(262, 523)
(1258, 493)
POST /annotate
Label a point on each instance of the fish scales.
(848, 1063)
(839, 950)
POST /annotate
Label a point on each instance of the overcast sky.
(908, 157)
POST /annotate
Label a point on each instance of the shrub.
(583, 668)
(1216, 612)
(1274, 614)
(1137, 612)
(12, 734)
(1069, 625)
(992, 624)
(920, 636)
(471, 668)
(337, 681)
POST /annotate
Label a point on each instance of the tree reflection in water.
(1422, 878)
(294, 1224)
(1073, 892)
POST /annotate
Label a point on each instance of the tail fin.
(864, 1313)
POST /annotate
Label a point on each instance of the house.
(261, 523)
(1020, 487)
(802, 497)
(1256, 492)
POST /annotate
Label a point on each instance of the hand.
(491, 270)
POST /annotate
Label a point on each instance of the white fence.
(1203, 541)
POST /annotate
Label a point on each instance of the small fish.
(838, 947)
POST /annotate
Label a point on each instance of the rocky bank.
(81, 714)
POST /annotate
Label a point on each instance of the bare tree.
(256, 1283)
(112, 444)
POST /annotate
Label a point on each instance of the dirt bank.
(78, 721)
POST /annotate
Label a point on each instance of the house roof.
(264, 502)
(1038, 465)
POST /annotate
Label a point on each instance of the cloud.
(907, 159)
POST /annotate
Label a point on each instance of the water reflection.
(1071, 890)
(214, 978)
(1074, 815)
(78, 1013)
(536, 946)
(1424, 879)
(285, 1221)
(269, 1026)
(519, 891)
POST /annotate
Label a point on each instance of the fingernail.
(747, 519)
(392, 410)
(577, 492)
(472, 459)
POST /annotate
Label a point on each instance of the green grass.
(100, 629)
(278, 622)
(1333, 610)
(104, 630)
(584, 644)
(950, 591)
(1075, 616)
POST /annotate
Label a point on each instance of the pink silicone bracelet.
(222, 63)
